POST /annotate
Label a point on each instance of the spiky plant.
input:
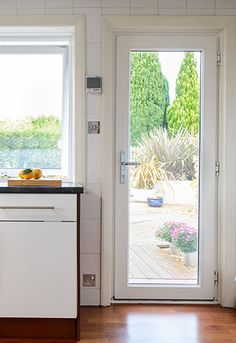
(175, 154)
(148, 173)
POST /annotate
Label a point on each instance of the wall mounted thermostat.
(93, 84)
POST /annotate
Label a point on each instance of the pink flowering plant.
(165, 232)
(185, 238)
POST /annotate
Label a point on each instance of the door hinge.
(217, 168)
(218, 59)
(216, 277)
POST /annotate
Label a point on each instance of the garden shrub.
(175, 155)
(147, 174)
(30, 141)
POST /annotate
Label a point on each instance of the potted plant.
(186, 239)
(165, 234)
(156, 200)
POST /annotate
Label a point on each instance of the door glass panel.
(164, 188)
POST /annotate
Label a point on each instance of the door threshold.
(167, 302)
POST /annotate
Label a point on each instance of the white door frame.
(226, 27)
(208, 147)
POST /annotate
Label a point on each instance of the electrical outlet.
(89, 280)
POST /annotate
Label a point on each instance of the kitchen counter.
(66, 188)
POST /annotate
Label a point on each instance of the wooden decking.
(151, 264)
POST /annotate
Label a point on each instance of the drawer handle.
(27, 208)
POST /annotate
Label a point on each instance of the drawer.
(38, 207)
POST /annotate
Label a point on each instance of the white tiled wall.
(94, 9)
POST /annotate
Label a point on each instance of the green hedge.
(30, 142)
(43, 132)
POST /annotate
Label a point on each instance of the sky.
(170, 65)
(30, 85)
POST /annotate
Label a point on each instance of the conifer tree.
(149, 95)
(184, 111)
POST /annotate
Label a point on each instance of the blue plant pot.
(155, 202)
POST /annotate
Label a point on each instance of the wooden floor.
(158, 324)
(150, 263)
(153, 324)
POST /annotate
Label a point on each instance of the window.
(35, 105)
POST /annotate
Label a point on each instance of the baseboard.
(167, 302)
(38, 328)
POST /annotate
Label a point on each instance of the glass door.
(166, 123)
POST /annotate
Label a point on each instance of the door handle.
(130, 163)
(123, 164)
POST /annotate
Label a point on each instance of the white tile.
(94, 117)
(7, 3)
(90, 233)
(94, 166)
(7, 11)
(91, 202)
(89, 297)
(144, 4)
(172, 3)
(93, 59)
(93, 102)
(30, 3)
(227, 11)
(90, 264)
(200, 11)
(87, 3)
(200, 3)
(59, 3)
(115, 3)
(93, 23)
(30, 11)
(115, 10)
(55, 11)
(144, 11)
(172, 11)
(94, 141)
(225, 4)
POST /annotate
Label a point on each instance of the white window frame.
(53, 29)
(65, 51)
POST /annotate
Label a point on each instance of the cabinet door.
(38, 276)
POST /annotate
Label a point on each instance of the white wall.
(94, 9)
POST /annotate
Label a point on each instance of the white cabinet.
(38, 256)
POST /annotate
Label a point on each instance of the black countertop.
(66, 188)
